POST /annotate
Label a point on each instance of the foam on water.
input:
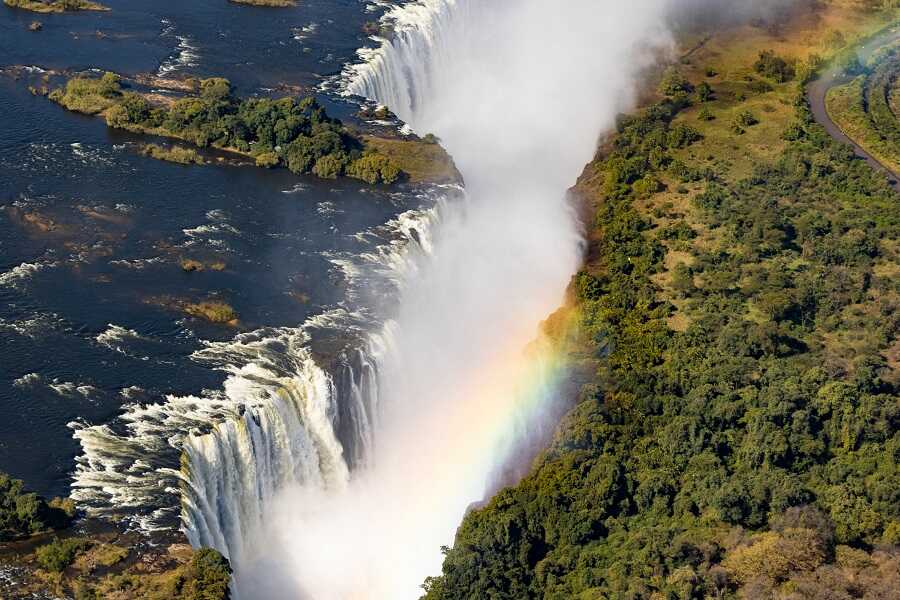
(279, 418)
(24, 271)
(117, 338)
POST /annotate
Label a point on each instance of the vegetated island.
(867, 108)
(175, 154)
(55, 6)
(740, 308)
(47, 556)
(294, 134)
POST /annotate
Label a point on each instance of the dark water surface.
(92, 234)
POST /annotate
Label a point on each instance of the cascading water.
(343, 481)
(281, 417)
(518, 90)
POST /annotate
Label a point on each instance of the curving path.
(817, 90)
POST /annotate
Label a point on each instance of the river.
(387, 364)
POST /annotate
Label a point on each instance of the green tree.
(60, 553)
(208, 576)
(674, 82)
(774, 67)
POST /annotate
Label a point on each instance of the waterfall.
(340, 476)
(284, 433)
(399, 72)
(518, 91)
(283, 416)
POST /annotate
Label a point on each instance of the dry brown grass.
(731, 54)
(422, 161)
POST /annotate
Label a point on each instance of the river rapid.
(387, 364)
(92, 235)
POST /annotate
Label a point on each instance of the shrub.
(647, 186)
(682, 279)
(848, 63)
(674, 83)
(25, 513)
(59, 554)
(329, 166)
(681, 136)
(132, 109)
(267, 160)
(208, 575)
(374, 168)
(760, 87)
(774, 67)
(776, 555)
(746, 119)
(65, 506)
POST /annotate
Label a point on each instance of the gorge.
(639, 338)
(446, 388)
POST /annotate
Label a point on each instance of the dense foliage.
(59, 554)
(297, 134)
(755, 445)
(207, 577)
(774, 67)
(25, 513)
(863, 108)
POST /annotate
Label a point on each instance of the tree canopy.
(754, 445)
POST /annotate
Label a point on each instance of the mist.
(518, 91)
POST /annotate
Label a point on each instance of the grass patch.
(175, 154)
(99, 555)
(212, 311)
(88, 95)
(55, 6)
(421, 160)
(190, 265)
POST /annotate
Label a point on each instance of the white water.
(343, 482)
(278, 420)
(519, 91)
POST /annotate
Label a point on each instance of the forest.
(739, 437)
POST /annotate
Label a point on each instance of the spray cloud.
(518, 90)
